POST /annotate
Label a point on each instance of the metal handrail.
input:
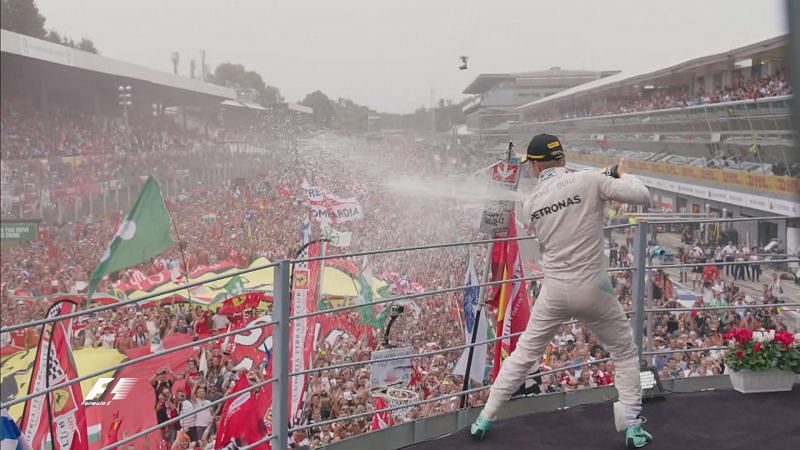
(408, 249)
(715, 308)
(131, 362)
(446, 396)
(395, 358)
(684, 350)
(413, 296)
(418, 355)
(721, 220)
(730, 263)
(132, 301)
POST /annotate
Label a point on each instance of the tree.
(322, 105)
(53, 36)
(84, 44)
(87, 45)
(237, 77)
(270, 96)
(22, 16)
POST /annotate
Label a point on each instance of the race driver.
(566, 213)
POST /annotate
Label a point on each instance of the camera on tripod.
(394, 313)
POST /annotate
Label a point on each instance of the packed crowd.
(240, 220)
(773, 85)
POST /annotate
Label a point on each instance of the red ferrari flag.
(60, 415)
(510, 299)
(240, 419)
(383, 419)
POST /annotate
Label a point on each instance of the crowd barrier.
(281, 322)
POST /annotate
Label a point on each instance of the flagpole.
(47, 385)
(183, 254)
(473, 332)
(323, 245)
(48, 398)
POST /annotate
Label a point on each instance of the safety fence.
(641, 317)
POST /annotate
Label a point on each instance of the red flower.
(730, 335)
(785, 338)
(740, 354)
(757, 348)
(743, 335)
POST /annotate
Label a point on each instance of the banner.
(326, 207)
(338, 211)
(391, 373)
(19, 231)
(305, 282)
(60, 412)
(744, 180)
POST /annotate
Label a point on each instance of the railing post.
(638, 284)
(281, 305)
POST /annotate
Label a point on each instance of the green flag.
(234, 287)
(367, 312)
(143, 234)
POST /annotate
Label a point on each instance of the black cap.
(544, 147)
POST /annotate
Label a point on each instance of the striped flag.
(95, 432)
(61, 411)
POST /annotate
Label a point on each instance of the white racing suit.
(566, 211)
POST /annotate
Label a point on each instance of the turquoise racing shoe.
(481, 427)
(636, 436)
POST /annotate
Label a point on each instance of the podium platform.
(722, 419)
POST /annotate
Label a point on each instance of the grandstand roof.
(300, 108)
(486, 81)
(37, 49)
(625, 79)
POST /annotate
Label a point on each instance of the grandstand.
(711, 135)
(496, 96)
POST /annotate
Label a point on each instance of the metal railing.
(281, 322)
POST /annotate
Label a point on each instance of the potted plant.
(762, 361)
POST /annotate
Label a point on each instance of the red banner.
(510, 299)
(305, 284)
(60, 415)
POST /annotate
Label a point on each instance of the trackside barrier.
(281, 321)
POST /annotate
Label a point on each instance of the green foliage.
(770, 355)
(87, 45)
(22, 16)
(238, 77)
(322, 105)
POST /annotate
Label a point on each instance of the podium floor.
(701, 420)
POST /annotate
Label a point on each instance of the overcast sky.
(389, 55)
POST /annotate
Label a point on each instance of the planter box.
(770, 380)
